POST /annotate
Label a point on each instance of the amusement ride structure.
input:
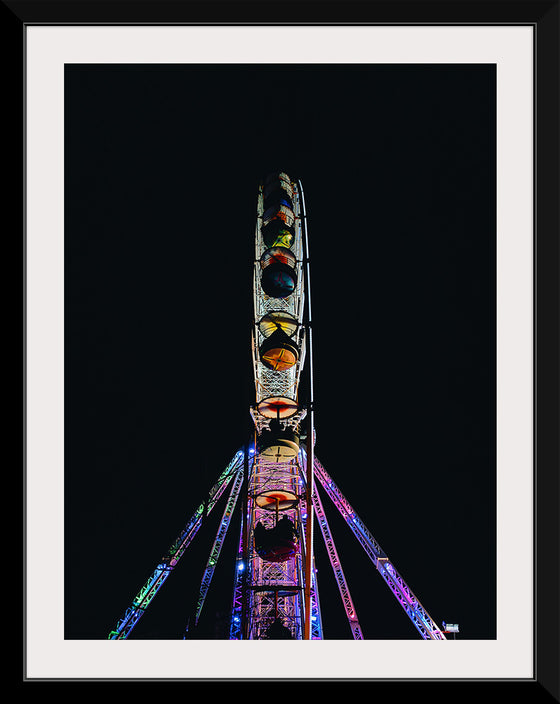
(272, 477)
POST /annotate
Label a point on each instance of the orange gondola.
(279, 352)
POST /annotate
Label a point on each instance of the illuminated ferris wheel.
(271, 479)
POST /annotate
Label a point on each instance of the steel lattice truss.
(281, 580)
(218, 543)
(170, 560)
(337, 568)
(265, 590)
(414, 609)
(272, 590)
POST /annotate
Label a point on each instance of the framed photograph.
(425, 141)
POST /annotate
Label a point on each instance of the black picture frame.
(543, 17)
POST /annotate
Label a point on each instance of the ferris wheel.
(271, 478)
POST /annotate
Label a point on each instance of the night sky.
(162, 165)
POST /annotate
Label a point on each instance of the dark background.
(398, 168)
